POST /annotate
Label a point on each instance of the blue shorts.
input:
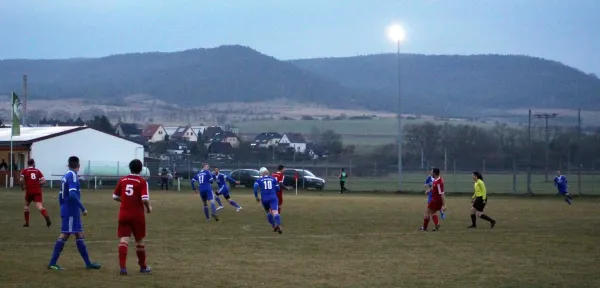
(71, 224)
(429, 197)
(270, 203)
(563, 192)
(223, 191)
(207, 195)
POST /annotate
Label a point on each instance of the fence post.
(514, 176)
(375, 169)
(594, 176)
(579, 179)
(454, 174)
(118, 167)
(95, 183)
(178, 183)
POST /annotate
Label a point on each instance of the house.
(226, 137)
(184, 133)
(154, 133)
(220, 150)
(178, 148)
(266, 140)
(210, 131)
(199, 130)
(314, 152)
(294, 140)
(128, 130)
(170, 130)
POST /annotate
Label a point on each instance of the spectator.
(164, 179)
(3, 165)
(342, 178)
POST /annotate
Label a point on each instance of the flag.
(16, 120)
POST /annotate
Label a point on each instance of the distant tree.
(330, 141)
(101, 123)
(167, 138)
(89, 114)
(35, 115)
(59, 115)
(307, 117)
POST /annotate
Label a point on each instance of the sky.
(565, 31)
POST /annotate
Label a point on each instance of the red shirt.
(437, 189)
(279, 177)
(132, 190)
(32, 177)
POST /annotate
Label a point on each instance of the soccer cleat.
(55, 267)
(238, 209)
(422, 229)
(214, 216)
(220, 207)
(26, 225)
(123, 272)
(493, 224)
(278, 230)
(93, 266)
(472, 226)
(48, 222)
(437, 228)
(145, 270)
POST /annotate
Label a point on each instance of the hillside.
(188, 78)
(455, 85)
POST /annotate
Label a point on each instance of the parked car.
(306, 179)
(246, 177)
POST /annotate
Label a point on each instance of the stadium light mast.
(546, 116)
(397, 34)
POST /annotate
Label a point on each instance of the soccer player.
(342, 178)
(479, 201)
(70, 209)
(428, 186)
(268, 192)
(204, 179)
(132, 192)
(32, 180)
(560, 182)
(224, 189)
(437, 203)
(279, 177)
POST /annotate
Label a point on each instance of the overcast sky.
(562, 30)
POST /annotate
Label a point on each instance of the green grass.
(329, 241)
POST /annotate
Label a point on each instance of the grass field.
(329, 240)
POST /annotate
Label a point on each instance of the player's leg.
(567, 196)
(139, 233)
(204, 198)
(276, 217)
(58, 248)
(426, 217)
(473, 217)
(436, 221)
(479, 212)
(267, 207)
(231, 202)
(213, 207)
(124, 234)
(279, 201)
(26, 211)
(218, 199)
(77, 228)
(39, 204)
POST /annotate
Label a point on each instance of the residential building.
(294, 140)
(266, 140)
(210, 131)
(226, 137)
(128, 130)
(184, 133)
(154, 133)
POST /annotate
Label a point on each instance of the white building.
(294, 140)
(52, 146)
(154, 133)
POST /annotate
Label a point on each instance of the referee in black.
(479, 201)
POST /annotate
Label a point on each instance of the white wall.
(159, 135)
(91, 146)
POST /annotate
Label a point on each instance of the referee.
(479, 201)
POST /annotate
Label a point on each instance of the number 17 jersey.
(132, 190)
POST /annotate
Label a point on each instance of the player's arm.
(117, 193)
(193, 182)
(231, 180)
(255, 190)
(146, 197)
(442, 194)
(41, 177)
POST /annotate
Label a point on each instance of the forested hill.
(459, 82)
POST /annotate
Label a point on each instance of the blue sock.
(83, 251)
(206, 213)
(270, 219)
(278, 220)
(234, 204)
(58, 247)
(218, 199)
(568, 200)
(213, 208)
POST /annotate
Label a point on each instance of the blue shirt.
(561, 183)
(204, 179)
(268, 187)
(222, 179)
(69, 196)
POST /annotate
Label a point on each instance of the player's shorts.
(563, 192)
(224, 191)
(479, 204)
(429, 198)
(37, 198)
(434, 205)
(279, 198)
(136, 227)
(270, 203)
(71, 224)
(207, 195)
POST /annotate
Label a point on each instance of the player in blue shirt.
(224, 189)
(428, 186)
(560, 182)
(204, 179)
(268, 187)
(71, 210)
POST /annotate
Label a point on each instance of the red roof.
(150, 130)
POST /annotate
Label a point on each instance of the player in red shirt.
(437, 203)
(279, 177)
(132, 192)
(32, 180)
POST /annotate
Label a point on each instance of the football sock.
(218, 199)
(123, 255)
(436, 220)
(234, 204)
(213, 208)
(83, 251)
(270, 219)
(140, 250)
(486, 218)
(58, 247)
(26, 213)
(279, 210)
(473, 220)
(44, 212)
(277, 220)
(206, 213)
(425, 222)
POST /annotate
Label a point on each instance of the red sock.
(279, 210)
(44, 212)
(425, 222)
(123, 255)
(436, 220)
(141, 254)
(26, 213)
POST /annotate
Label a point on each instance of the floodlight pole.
(546, 116)
(399, 117)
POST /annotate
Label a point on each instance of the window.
(159, 132)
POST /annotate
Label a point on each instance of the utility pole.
(546, 116)
(529, 191)
(24, 120)
(579, 151)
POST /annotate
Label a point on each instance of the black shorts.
(478, 204)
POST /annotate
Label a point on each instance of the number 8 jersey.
(132, 190)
